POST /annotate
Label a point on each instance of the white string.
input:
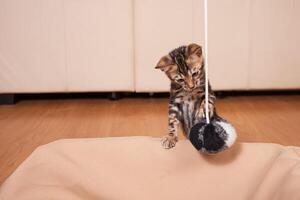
(206, 60)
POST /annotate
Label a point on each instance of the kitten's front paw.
(169, 141)
(201, 112)
(211, 110)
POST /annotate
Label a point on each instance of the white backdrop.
(113, 45)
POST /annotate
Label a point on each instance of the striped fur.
(184, 67)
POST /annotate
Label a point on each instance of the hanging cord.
(206, 61)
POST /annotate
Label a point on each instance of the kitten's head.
(183, 66)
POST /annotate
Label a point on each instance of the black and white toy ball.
(212, 137)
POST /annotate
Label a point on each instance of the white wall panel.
(161, 26)
(31, 46)
(228, 44)
(275, 44)
(99, 45)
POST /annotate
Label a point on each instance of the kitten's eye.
(180, 80)
(195, 74)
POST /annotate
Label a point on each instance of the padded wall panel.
(31, 46)
(228, 41)
(275, 44)
(99, 45)
(161, 26)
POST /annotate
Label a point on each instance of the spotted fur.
(184, 67)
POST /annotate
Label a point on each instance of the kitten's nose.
(191, 85)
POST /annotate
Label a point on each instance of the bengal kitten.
(184, 66)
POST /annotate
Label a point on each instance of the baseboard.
(13, 98)
(7, 99)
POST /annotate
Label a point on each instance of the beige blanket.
(138, 168)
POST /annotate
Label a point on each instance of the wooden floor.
(28, 124)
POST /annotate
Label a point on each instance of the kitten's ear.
(194, 55)
(194, 50)
(165, 63)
